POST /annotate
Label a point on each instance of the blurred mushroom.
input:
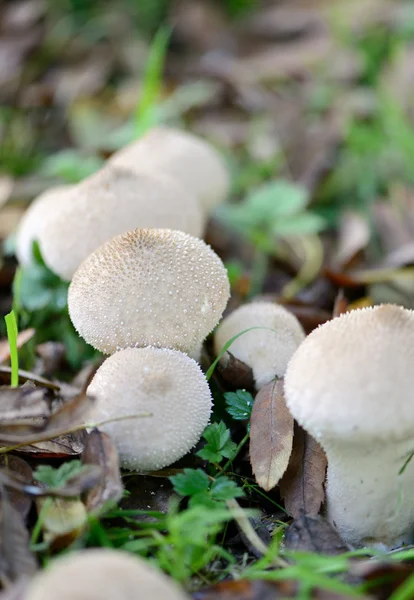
(190, 160)
(350, 384)
(113, 201)
(169, 386)
(266, 352)
(35, 219)
(149, 287)
(102, 574)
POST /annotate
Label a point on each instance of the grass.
(12, 332)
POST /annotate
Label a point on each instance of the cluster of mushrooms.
(146, 290)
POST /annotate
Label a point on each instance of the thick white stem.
(367, 500)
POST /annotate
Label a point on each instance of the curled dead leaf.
(101, 451)
(302, 486)
(271, 435)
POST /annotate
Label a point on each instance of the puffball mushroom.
(102, 574)
(149, 287)
(266, 352)
(190, 160)
(36, 217)
(350, 384)
(110, 202)
(165, 383)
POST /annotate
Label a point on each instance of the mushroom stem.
(367, 498)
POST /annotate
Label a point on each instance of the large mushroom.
(36, 217)
(110, 202)
(190, 160)
(350, 384)
(149, 287)
(167, 385)
(102, 574)
(268, 347)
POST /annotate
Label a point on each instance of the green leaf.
(224, 488)
(190, 482)
(239, 404)
(302, 224)
(219, 444)
(58, 477)
(12, 332)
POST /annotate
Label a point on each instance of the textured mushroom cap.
(192, 161)
(35, 218)
(166, 383)
(111, 202)
(353, 377)
(149, 287)
(102, 574)
(266, 352)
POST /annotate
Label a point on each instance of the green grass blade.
(152, 82)
(11, 326)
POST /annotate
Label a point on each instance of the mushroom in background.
(266, 352)
(149, 287)
(351, 385)
(108, 203)
(165, 383)
(35, 219)
(102, 574)
(185, 157)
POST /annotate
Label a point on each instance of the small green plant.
(12, 331)
(58, 477)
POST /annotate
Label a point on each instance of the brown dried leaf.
(5, 374)
(100, 450)
(235, 373)
(340, 305)
(302, 486)
(271, 435)
(70, 414)
(16, 560)
(13, 466)
(22, 337)
(62, 446)
(354, 236)
(23, 404)
(313, 534)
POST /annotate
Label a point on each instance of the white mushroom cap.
(110, 202)
(36, 217)
(102, 574)
(166, 383)
(192, 161)
(350, 384)
(353, 376)
(266, 352)
(149, 287)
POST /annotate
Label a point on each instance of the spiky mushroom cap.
(111, 202)
(165, 383)
(149, 287)
(192, 161)
(102, 574)
(266, 350)
(35, 219)
(352, 377)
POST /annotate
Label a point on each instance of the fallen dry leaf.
(16, 560)
(271, 435)
(313, 534)
(23, 404)
(354, 236)
(302, 486)
(100, 450)
(5, 375)
(235, 373)
(62, 521)
(22, 338)
(14, 466)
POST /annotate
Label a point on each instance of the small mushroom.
(350, 384)
(149, 287)
(110, 202)
(169, 386)
(188, 159)
(266, 352)
(35, 218)
(102, 574)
